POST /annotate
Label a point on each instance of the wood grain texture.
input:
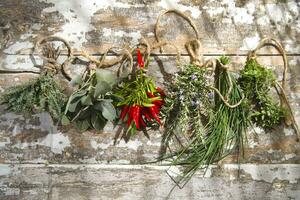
(224, 26)
(40, 160)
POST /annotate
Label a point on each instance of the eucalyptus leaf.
(77, 80)
(102, 87)
(106, 76)
(83, 125)
(72, 106)
(65, 120)
(108, 110)
(86, 100)
(98, 122)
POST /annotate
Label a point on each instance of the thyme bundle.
(39, 95)
(256, 82)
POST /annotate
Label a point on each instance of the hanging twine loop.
(122, 57)
(50, 55)
(290, 119)
(193, 47)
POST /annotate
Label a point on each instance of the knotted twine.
(49, 55)
(289, 120)
(194, 49)
(102, 62)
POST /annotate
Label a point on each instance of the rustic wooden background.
(40, 160)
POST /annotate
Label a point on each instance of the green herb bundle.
(91, 105)
(39, 95)
(225, 130)
(187, 105)
(256, 82)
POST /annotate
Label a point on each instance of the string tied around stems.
(50, 55)
(279, 87)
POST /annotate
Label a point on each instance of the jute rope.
(193, 46)
(194, 49)
(50, 55)
(105, 63)
(289, 120)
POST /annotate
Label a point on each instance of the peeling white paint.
(238, 14)
(250, 43)
(174, 4)
(18, 46)
(290, 156)
(107, 32)
(5, 170)
(132, 144)
(5, 142)
(17, 62)
(269, 173)
(264, 20)
(278, 14)
(103, 146)
(213, 11)
(54, 139)
(78, 15)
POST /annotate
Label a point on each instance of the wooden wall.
(40, 160)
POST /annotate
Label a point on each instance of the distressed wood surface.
(40, 160)
(226, 26)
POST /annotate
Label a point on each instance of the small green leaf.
(72, 106)
(83, 125)
(102, 87)
(86, 100)
(108, 110)
(65, 120)
(106, 76)
(77, 80)
(98, 122)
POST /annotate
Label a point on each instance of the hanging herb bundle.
(140, 100)
(225, 130)
(39, 95)
(188, 104)
(91, 105)
(256, 82)
(43, 93)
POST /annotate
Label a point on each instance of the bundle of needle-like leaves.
(187, 104)
(225, 129)
(41, 94)
(256, 82)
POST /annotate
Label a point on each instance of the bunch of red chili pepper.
(142, 101)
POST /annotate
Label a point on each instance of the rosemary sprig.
(187, 104)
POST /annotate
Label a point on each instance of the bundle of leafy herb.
(91, 105)
(256, 82)
(225, 130)
(39, 95)
(188, 104)
(140, 101)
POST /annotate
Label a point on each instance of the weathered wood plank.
(147, 182)
(224, 26)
